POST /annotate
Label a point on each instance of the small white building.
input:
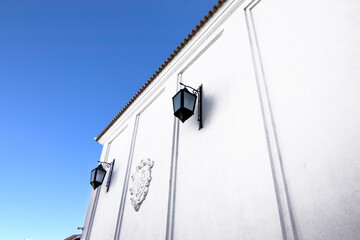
(278, 156)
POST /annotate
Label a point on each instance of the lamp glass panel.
(189, 100)
(177, 101)
(92, 175)
(100, 175)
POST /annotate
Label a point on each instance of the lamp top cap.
(100, 167)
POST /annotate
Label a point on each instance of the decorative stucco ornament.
(140, 182)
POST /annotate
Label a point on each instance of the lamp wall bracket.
(195, 91)
(199, 93)
(111, 166)
(107, 164)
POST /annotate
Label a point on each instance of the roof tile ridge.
(164, 64)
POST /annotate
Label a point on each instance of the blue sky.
(67, 67)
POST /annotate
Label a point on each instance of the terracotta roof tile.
(74, 237)
(167, 61)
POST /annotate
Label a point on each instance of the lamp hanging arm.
(106, 164)
(195, 91)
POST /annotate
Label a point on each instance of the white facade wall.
(278, 157)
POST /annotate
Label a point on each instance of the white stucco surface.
(153, 141)
(219, 189)
(278, 155)
(311, 58)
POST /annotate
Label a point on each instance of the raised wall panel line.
(276, 162)
(126, 181)
(172, 180)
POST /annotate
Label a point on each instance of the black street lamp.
(98, 174)
(184, 103)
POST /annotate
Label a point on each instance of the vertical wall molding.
(96, 199)
(93, 210)
(173, 170)
(276, 162)
(126, 181)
